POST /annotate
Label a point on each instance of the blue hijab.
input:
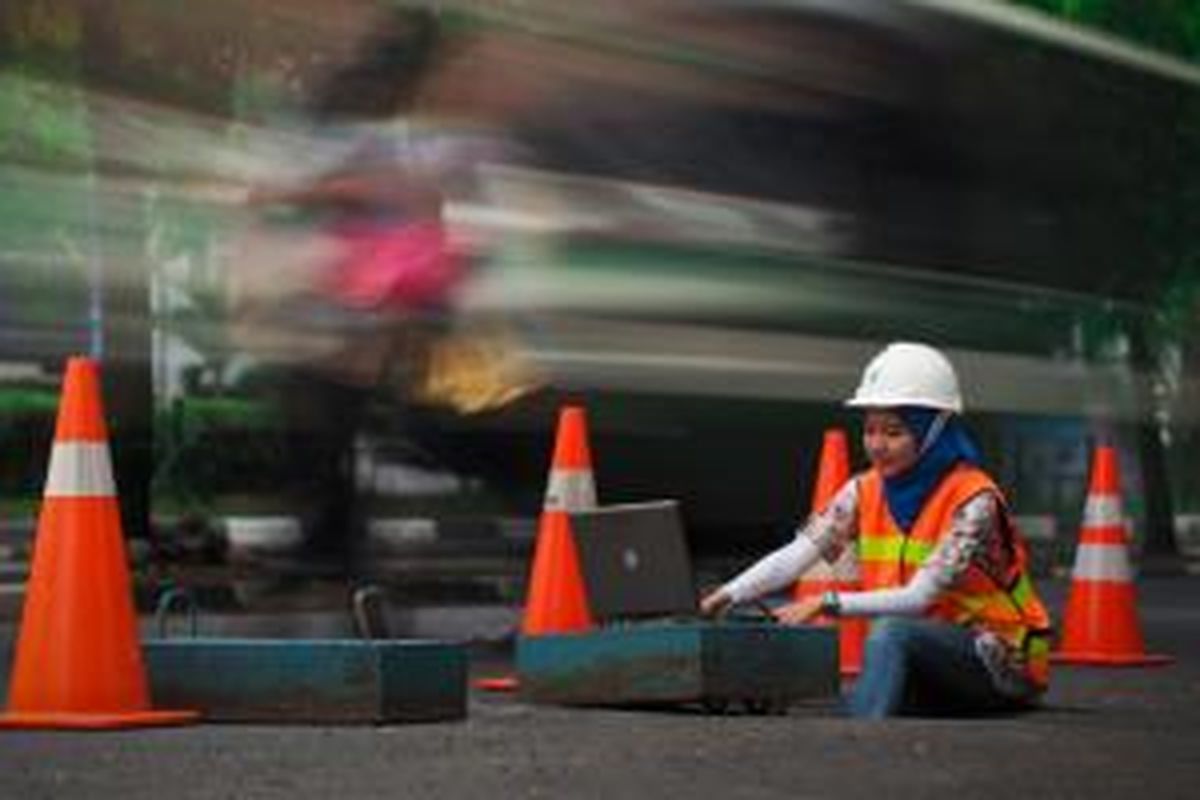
(941, 449)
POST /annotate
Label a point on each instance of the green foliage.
(42, 121)
(26, 426)
(1167, 211)
(46, 32)
(209, 447)
(204, 448)
(19, 404)
(1169, 25)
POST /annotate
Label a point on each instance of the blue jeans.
(923, 667)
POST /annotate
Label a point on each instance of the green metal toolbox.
(761, 665)
(304, 680)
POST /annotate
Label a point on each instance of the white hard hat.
(908, 374)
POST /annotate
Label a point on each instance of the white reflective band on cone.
(1103, 510)
(1101, 562)
(570, 490)
(80, 469)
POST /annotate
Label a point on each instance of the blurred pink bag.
(394, 266)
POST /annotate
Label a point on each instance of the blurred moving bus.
(717, 212)
(728, 207)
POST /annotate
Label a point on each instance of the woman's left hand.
(799, 612)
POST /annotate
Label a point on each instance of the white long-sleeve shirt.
(974, 538)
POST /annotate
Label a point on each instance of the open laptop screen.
(634, 560)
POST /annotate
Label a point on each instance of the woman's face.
(890, 445)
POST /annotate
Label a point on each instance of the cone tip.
(80, 362)
(1106, 476)
(571, 450)
(833, 469)
(80, 412)
(571, 412)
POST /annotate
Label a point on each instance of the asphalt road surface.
(1105, 733)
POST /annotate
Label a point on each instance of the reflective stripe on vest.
(889, 558)
(1037, 654)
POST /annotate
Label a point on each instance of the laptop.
(635, 561)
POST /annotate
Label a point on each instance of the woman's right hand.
(715, 602)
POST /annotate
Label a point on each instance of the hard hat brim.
(898, 402)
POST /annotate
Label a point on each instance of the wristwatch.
(831, 604)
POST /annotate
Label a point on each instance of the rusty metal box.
(761, 665)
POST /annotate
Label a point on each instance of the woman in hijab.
(957, 626)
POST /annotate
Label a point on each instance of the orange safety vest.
(1004, 604)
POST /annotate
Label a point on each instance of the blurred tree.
(1166, 343)
(1169, 25)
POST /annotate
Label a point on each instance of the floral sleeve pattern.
(972, 539)
(835, 528)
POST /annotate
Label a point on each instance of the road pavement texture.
(1105, 733)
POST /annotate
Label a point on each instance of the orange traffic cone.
(556, 601)
(833, 470)
(78, 661)
(832, 474)
(1100, 624)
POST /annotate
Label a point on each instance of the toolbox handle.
(369, 613)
